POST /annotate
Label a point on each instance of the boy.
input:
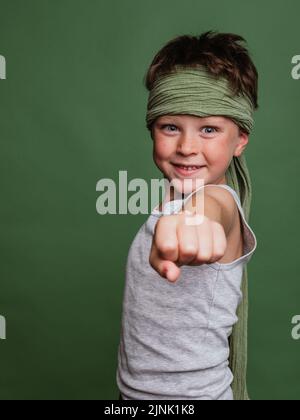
(183, 281)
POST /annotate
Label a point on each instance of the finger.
(164, 268)
(219, 241)
(172, 272)
(187, 244)
(205, 245)
(165, 238)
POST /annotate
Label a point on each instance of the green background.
(72, 112)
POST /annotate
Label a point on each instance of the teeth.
(189, 168)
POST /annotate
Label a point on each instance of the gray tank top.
(174, 336)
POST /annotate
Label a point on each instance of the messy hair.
(222, 55)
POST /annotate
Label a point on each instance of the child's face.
(209, 142)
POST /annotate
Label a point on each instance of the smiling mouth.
(187, 170)
(188, 166)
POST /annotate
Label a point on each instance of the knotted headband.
(194, 91)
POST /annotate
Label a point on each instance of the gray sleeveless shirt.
(174, 336)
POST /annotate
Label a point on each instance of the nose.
(188, 144)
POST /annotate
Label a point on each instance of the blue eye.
(169, 125)
(172, 128)
(209, 127)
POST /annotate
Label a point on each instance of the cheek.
(163, 148)
(218, 152)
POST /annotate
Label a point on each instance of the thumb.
(165, 268)
(170, 270)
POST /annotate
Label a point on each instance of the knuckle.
(188, 251)
(217, 224)
(167, 218)
(166, 247)
(204, 256)
(217, 257)
(220, 248)
(162, 221)
(219, 253)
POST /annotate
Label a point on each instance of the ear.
(243, 139)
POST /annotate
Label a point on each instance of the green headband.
(194, 91)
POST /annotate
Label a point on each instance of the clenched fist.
(178, 241)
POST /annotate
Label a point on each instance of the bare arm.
(177, 242)
(217, 204)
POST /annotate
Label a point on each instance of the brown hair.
(220, 53)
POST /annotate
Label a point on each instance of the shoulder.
(218, 203)
(226, 201)
(222, 195)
